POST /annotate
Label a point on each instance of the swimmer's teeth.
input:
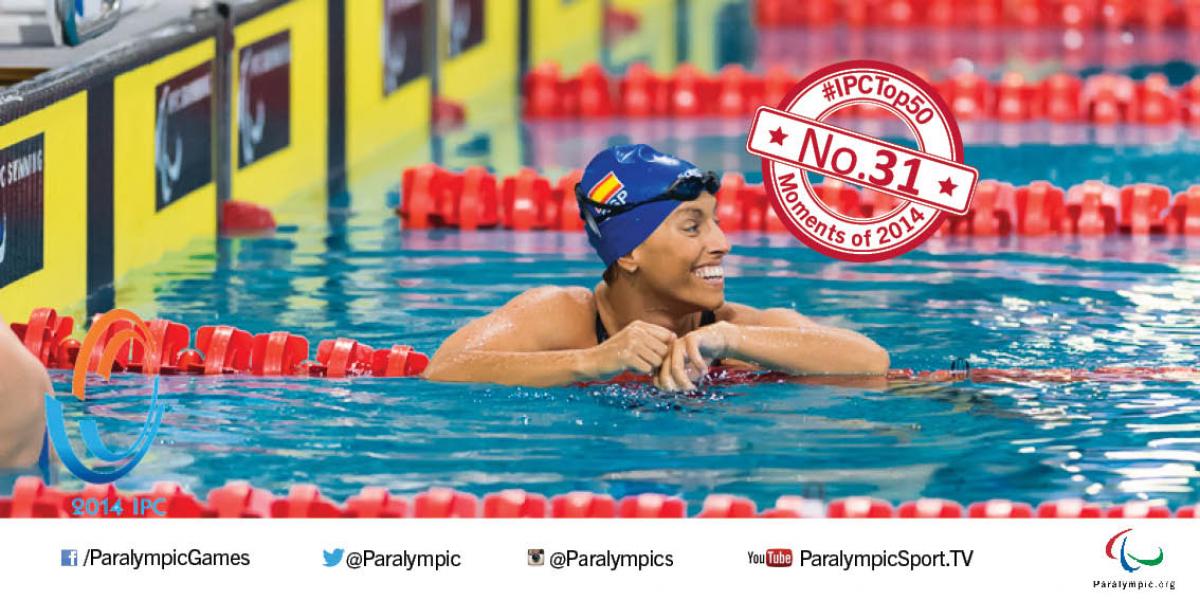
(710, 272)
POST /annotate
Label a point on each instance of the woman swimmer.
(23, 384)
(652, 218)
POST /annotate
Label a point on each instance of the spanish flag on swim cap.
(620, 196)
(606, 188)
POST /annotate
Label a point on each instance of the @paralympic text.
(405, 560)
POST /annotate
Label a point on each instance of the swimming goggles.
(684, 189)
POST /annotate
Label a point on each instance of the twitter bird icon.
(333, 557)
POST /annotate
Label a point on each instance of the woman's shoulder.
(554, 317)
(557, 298)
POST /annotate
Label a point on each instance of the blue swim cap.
(627, 191)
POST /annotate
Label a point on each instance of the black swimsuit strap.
(707, 317)
(601, 332)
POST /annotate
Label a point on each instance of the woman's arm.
(807, 350)
(23, 384)
(781, 340)
(540, 338)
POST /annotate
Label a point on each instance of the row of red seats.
(435, 197)
(1071, 14)
(32, 498)
(218, 350)
(1104, 99)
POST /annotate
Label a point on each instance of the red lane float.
(238, 499)
(515, 504)
(1102, 99)
(1139, 509)
(433, 197)
(443, 503)
(652, 506)
(795, 507)
(583, 505)
(1069, 508)
(239, 218)
(999, 509)
(530, 202)
(727, 506)
(376, 503)
(304, 501)
(218, 350)
(930, 508)
(859, 508)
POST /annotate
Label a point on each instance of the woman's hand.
(640, 347)
(689, 356)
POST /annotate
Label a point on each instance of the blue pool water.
(999, 303)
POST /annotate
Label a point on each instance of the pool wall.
(127, 156)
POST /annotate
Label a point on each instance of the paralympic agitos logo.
(113, 464)
(1125, 556)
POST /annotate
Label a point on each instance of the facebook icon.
(70, 558)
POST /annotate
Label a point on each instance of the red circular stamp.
(927, 183)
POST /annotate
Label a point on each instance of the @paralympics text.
(131, 559)
(404, 560)
(611, 560)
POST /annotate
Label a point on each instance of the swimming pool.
(1027, 303)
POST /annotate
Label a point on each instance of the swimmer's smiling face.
(682, 258)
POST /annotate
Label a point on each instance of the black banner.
(264, 97)
(22, 219)
(403, 53)
(466, 26)
(183, 134)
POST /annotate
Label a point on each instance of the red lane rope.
(986, 14)
(226, 350)
(727, 376)
(433, 197)
(218, 350)
(32, 498)
(1102, 99)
